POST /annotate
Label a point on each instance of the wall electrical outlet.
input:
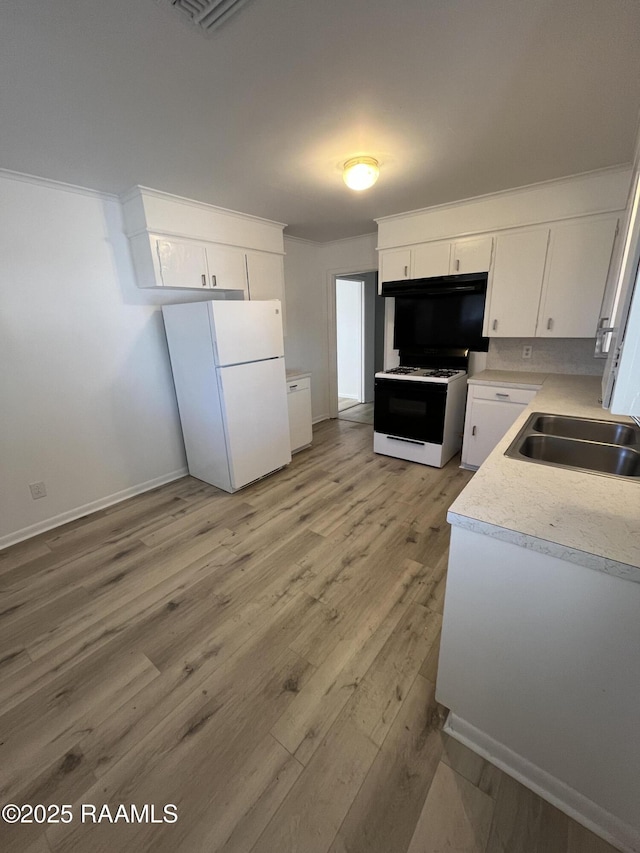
(38, 490)
(526, 352)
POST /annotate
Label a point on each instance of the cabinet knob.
(406, 271)
(473, 430)
(495, 325)
(204, 280)
(550, 323)
(213, 281)
(502, 395)
(457, 264)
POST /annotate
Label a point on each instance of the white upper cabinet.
(227, 268)
(431, 259)
(395, 265)
(265, 273)
(575, 277)
(549, 282)
(516, 284)
(471, 255)
(442, 257)
(182, 264)
(266, 276)
(179, 243)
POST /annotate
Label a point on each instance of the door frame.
(332, 330)
(361, 321)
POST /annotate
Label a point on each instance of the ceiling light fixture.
(360, 173)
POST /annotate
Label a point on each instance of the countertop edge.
(544, 546)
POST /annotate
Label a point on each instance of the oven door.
(410, 409)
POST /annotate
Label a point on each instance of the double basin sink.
(582, 444)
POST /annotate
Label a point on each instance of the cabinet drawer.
(502, 394)
(294, 385)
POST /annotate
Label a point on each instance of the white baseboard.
(559, 794)
(78, 512)
(321, 418)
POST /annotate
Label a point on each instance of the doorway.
(359, 313)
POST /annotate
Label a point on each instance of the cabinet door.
(471, 255)
(486, 423)
(516, 284)
(576, 275)
(299, 401)
(395, 264)
(431, 259)
(266, 276)
(182, 264)
(227, 268)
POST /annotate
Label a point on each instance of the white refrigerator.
(227, 359)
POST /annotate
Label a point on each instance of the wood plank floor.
(265, 661)
(362, 413)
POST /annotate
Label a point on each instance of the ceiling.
(456, 98)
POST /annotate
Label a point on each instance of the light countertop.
(297, 374)
(585, 518)
(512, 378)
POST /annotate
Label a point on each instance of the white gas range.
(419, 413)
(422, 374)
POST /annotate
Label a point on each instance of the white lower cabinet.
(491, 410)
(299, 401)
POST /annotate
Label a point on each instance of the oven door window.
(413, 410)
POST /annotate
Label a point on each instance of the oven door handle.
(406, 440)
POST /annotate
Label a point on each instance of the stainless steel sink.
(582, 444)
(607, 432)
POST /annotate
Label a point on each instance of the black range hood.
(442, 285)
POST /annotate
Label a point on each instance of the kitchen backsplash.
(549, 355)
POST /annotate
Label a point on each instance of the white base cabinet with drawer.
(299, 402)
(491, 410)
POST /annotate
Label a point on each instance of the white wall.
(309, 269)
(349, 322)
(88, 404)
(305, 345)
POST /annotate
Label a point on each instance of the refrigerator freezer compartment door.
(246, 331)
(254, 399)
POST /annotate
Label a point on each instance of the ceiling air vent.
(206, 15)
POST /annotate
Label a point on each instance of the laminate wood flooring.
(265, 662)
(361, 413)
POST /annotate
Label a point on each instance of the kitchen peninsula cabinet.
(538, 659)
